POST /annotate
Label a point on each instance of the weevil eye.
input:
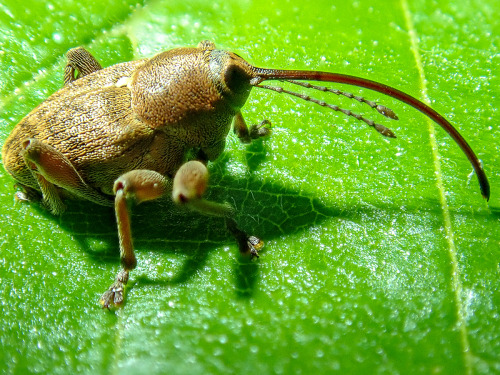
(231, 75)
(236, 79)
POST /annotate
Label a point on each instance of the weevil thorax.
(193, 91)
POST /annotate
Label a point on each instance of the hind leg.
(53, 173)
(80, 63)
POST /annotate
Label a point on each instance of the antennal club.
(261, 74)
(385, 131)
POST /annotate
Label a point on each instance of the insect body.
(139, 130)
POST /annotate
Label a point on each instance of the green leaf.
(381, 256)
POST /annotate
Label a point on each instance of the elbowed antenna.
(262, 74)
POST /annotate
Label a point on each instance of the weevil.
(140, 130)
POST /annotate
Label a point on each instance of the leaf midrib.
(456, 284)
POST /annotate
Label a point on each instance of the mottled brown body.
(139, 130)
(105, 130)
(91, 122)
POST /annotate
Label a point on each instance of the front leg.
(130, 189)
(190, 183)
(248, 134)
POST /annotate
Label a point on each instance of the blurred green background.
(381, 255)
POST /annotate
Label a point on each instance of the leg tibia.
(131, 188)
(189, 185)
(245, 134)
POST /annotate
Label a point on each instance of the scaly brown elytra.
(139, 130)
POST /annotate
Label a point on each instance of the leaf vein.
(456, 284)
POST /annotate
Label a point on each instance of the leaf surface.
(381, 256)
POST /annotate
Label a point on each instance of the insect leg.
(190, 183)
(33, 153)
(52, 169)
(246, 134)
(131, 188)
(80, 63)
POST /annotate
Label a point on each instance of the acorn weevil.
(139, 130)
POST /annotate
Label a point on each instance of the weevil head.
(232, 75)
(185, 83)
(194, 93)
